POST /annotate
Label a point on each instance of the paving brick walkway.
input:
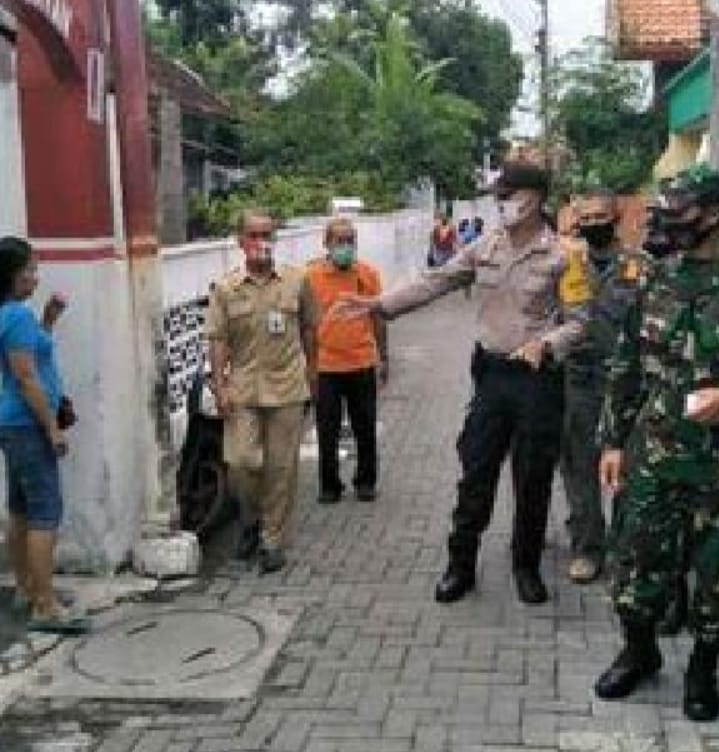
(373, 664)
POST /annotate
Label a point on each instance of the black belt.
(483, 360)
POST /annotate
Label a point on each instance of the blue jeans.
(33, 477)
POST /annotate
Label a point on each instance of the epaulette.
(629, 266)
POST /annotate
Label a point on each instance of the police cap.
(517, 175)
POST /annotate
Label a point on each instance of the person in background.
(352, 355)
(261, 328)
(465, 232)
(31, 439)
(602, 279)
(443, 242)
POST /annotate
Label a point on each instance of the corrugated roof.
(184, 86)
(658, 30)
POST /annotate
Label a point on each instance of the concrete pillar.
(128, 54)
(170, 183)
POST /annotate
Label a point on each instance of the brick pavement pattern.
(374, 665)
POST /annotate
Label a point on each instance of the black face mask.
(666, 237)
(598, 236)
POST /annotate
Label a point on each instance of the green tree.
(603, 113)
(484, 68)
(414, 129)
(208, 21)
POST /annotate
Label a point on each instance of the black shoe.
(677, 613)
(366, 493)
(271, 559)
(530, 587)
(701, 702)
(329, 497)
(640, 659)
(249, 542)
(453, 586)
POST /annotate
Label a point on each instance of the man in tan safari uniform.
(260, 325)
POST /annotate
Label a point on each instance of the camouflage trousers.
(658, 529)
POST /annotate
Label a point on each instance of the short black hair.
(15, 255)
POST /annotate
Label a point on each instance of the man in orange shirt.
(352, 353)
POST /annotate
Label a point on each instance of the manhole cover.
(156, 653)
(175, 647)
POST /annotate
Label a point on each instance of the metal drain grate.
(174, 647)
(172, 653)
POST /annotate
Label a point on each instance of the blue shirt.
(20, 331)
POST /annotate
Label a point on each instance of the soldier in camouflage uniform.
(657, 443)
(601, 279)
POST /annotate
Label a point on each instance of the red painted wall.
(66, 168)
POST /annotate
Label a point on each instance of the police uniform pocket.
(488, 275)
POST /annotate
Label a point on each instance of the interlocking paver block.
(153, 741)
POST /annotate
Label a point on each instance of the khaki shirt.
(518, 297)
(261, 323)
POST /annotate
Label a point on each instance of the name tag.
(276, 322)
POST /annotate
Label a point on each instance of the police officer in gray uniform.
(517, 404)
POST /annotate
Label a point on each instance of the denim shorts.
(33, 477)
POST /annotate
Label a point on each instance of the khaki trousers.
(262, 449)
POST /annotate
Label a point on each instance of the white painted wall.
(395, 243)
(12, 197)
(484, 207)
(103, 485)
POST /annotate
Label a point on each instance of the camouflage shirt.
(668, 347)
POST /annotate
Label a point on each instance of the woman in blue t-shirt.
(30, 437)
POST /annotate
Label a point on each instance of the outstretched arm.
(455, 274)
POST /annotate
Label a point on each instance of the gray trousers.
(579, 465)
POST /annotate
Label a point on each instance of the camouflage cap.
(699, 185)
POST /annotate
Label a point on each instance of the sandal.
(21, 604)
(63, 622)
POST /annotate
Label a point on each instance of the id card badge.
(276, 323)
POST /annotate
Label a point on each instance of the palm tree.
(408, 114)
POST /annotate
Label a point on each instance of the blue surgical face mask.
(343, 256)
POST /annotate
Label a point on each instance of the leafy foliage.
(287, 196)
(603, 114)
(397, 91)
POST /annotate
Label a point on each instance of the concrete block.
(171, 555)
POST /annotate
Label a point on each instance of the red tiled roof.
(184, 86)
(658, 30)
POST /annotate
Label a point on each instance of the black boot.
(639, 659)
(677, 614)
(530, 587)
(701, 702)
(454, 584)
